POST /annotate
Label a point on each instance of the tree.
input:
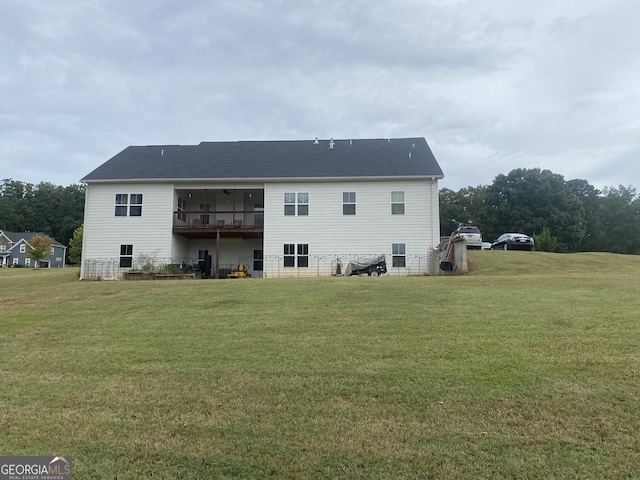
(464, 207)
(75, 245)
(527, 200)
(545, 242)
(39, 248)
(591, 201)
(619, 221)
(56, 211)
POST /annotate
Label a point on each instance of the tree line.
(53, 210)
(563, 216)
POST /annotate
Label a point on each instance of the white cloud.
(492, 85)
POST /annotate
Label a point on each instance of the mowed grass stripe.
(528, 367)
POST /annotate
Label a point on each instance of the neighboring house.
(14, 247)
(283, 208)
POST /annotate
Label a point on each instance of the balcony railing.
(218, 220)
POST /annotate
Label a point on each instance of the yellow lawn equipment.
(241, 272)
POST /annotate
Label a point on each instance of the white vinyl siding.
(372, 231)
(104, 232)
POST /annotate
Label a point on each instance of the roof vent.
(316, 142)
(331, 143)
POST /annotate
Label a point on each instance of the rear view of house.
(282, 208)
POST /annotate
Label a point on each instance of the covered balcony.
(208, 213)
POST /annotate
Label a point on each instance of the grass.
(528, 367)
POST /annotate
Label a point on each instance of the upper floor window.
(135, 205)
(397, 203)
(122, 202)
(296, 203)
(348, 203)
(3, 248)
(128, 204)
(23, 248)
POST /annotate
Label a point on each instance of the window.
(122, 200)
(303, 204)
(397, 203)
(258, 259)
(126, 256)
(53, 250)
(3, 248)
(23, 248)
(348, 203)
(131, 204)
(303, 255)
(135, 201)
(296, 255)
(182, 206)
(289, 255)
(27, 262)
(15, 261)
(398, 251)
(296, 204)
(289, 203)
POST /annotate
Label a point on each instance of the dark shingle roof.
(15, 237)
(396, 157)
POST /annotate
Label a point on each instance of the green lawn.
(528, 367)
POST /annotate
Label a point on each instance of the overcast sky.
(492, 85)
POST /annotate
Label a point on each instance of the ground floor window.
(126, 256)
(303, 255)
(296, 255)
(258, 260)
(289, 255)
(398, 251)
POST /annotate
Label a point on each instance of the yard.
(528, 367)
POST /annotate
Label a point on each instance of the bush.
(545, 242)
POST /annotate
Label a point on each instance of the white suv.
(471, 234)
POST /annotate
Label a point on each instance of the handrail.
(206, 219)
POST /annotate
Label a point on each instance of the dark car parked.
(513, 241)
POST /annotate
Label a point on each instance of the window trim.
(399, 255)
(302, 255)
(296, 255)
(289, 260)
(295, 204)
(258, 260)
(348, 202)
(128, 204)
(126, 256)
(398, 204)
